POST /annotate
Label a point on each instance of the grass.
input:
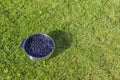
(91, 50)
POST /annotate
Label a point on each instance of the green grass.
(91, 50)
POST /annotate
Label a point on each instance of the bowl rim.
(33, 57)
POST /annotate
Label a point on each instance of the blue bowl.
(38, 46)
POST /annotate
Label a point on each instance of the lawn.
(86, 33)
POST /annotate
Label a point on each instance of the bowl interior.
(39, 45)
